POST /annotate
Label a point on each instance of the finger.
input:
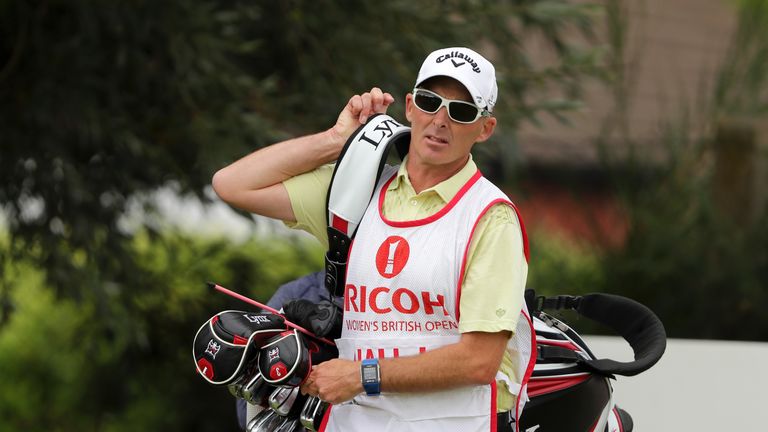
(304, 387)
(377, 99)
(388, 100)
(355, 104)
(366, 110)
(311, 390)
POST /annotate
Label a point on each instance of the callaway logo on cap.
(467, 67)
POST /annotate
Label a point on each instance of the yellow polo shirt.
(494, 281)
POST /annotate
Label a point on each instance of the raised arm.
(254, 183)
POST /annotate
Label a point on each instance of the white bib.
(402, 297)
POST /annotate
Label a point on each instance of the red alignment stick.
(269, 309)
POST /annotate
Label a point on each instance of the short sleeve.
(493, 288)
(307, 193)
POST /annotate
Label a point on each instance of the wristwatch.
(370, 375)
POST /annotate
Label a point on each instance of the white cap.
(467, 67)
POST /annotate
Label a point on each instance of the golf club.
(268, 309)
(236, 388)
(287, 401)
(290, 425)
(255, 391)
(265, 421)
(312, 414)
(307, 413)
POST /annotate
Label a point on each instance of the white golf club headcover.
(354, 181)
(359, 166)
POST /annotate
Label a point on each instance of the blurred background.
(633, 136)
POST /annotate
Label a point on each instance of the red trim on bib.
(494, 417)
(429, 219)
(472, 233)
(526, 251)
(528, 372)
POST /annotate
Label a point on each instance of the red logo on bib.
(392, 256)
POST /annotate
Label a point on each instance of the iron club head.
(287, 401)
(312, 414)
(307, 413)
(255, 391)
(265, 421)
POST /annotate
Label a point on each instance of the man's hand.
(357, 111)
(334, 381)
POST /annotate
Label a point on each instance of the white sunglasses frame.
(444, 102)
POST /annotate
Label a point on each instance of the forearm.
(253, 183)
(473, 361)
(278, 162)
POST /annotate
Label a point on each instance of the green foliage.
(100, 101)
(702, 271)
(563, 267)
(560, 266)
(742, 85)
(327, 57)
(41, 365)
(65, 368)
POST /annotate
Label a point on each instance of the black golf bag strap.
(548, 354)
(539, 303)
(336, 261)
(558, 302)
(635, 322)
(352, 186)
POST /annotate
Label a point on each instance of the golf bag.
(570, 388)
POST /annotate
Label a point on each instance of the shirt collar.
(447, 189)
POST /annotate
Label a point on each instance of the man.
(436, 276)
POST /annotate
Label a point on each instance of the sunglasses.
(458, 110)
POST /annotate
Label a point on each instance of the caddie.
(434, 336)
